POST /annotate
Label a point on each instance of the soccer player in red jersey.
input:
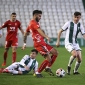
(12, 26)
(40, 45)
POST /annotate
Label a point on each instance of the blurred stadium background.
(55, 14)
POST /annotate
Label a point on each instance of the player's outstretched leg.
(5, 56)
(53, 58)
(43, 66)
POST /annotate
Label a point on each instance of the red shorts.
(43, 48)
(11, 43)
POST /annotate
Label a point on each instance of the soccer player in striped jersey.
(72, 29)
(27, 63)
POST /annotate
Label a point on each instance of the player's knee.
(48, 58)
(14, 49)
(74, 53)
(55, 52)
(6, 49)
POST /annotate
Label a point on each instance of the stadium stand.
(55, 13)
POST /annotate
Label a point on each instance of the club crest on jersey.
(9, 24)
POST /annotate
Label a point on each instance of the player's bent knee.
(49, 59)
(13, 49)
(54, 52)
(6, 49)
(74, 53)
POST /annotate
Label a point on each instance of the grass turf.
(29, 79)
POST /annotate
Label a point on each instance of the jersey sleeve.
(0, 32)
(4, 25)
(65, 26)
(82, 30)
(23, 60)
(36, 67)
(35, 26)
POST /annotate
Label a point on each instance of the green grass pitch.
(29, 79)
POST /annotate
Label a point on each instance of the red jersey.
(12, 29)
(32, 28)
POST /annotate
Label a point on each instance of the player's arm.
(82, 31)
(22, 31)
(25, 36)
(84, 36)
(36, 73)
(25, 39)
(58, 38)
(43, 34)
(4, 25)
(65, 27)
(36, 67)
(22, 62)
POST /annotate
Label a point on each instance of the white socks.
(71, 61)
(77, 64)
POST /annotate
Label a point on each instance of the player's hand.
(58, 44)
(48, 39)
(27, 68)
(24, 46)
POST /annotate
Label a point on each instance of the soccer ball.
(60, 72)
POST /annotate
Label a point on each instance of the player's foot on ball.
(38, 75)
(3, 64)
(68, 70)
(48, 70)
(75, 73)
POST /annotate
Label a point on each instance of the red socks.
(47, 63)
(13, 57)
(5, 57)
(53, 57)
(43, 65)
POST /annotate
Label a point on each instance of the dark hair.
(77, 13)
(34, 50)
(37, 12)
(13, 13)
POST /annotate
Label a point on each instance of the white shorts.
(17, 64)
(71, 47)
